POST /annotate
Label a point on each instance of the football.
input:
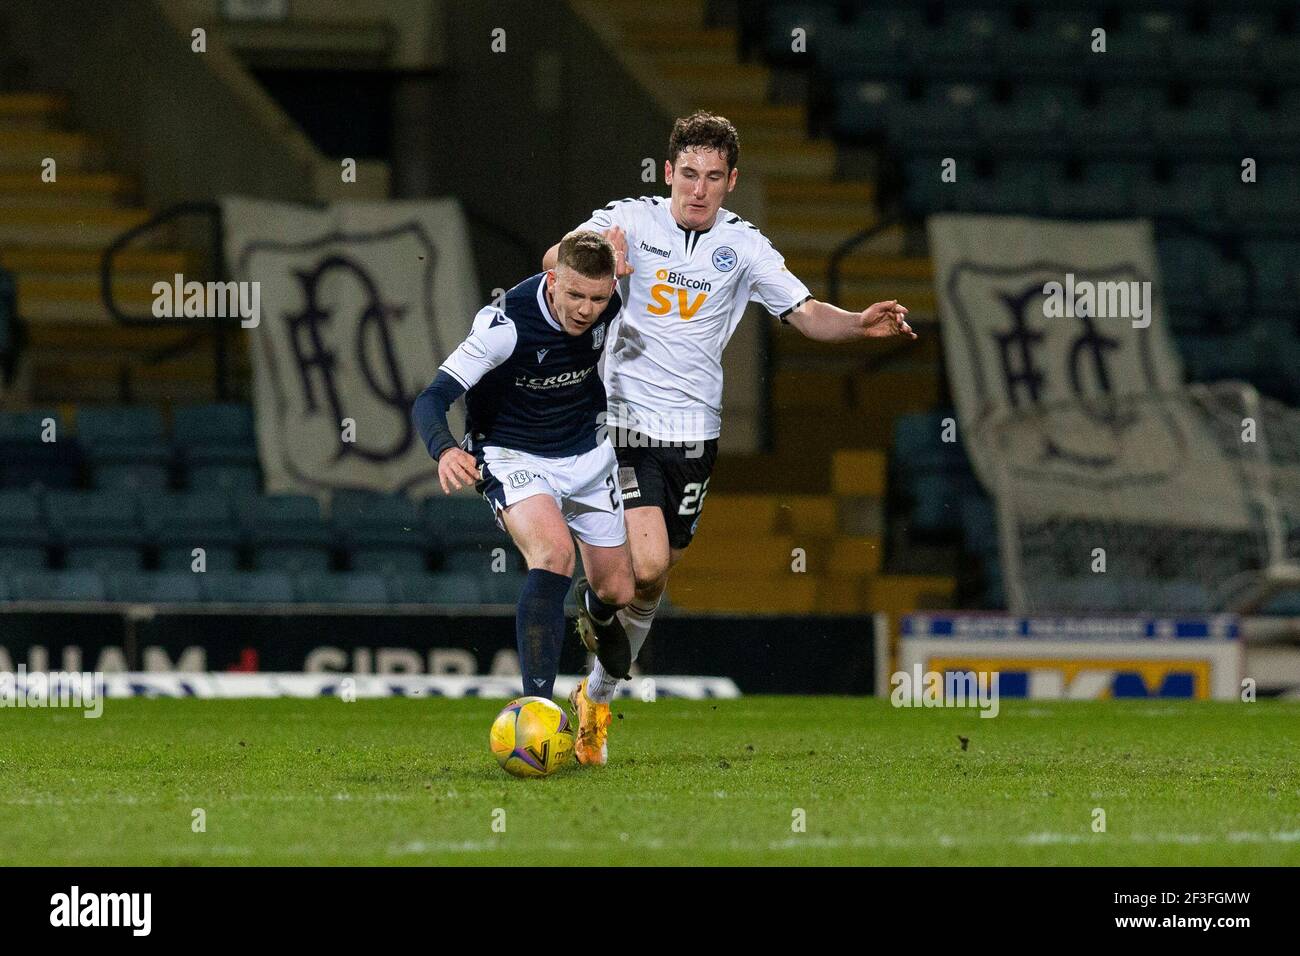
(531, 737)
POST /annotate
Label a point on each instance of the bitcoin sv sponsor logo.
(554, 381)
(673, 292)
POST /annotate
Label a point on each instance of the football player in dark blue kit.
(535, 447)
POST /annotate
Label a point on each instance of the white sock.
(636, 619)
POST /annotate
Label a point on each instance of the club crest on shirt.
(724, 258)
(597, 336)
(518, 479)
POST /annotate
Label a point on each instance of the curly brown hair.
(703, 130)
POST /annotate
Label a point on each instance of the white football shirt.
(663, 365)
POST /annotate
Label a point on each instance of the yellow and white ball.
(531, 737)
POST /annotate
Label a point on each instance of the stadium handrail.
(209, 325)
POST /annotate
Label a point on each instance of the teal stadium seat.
(1205, 126)
(862, 108)
(155, 587)
(455, 521)
(1033, 119)
(501, 588)
(247, 587)
(286, 532)
(860, 52)
(24, 538)
(381, 534)
(1277, 270)
(97, 529)
(27, 461)
(125, 447)
(941, 121)
(1190, 191)
(450, 588)
(1117, 124)
(57, 586)
(818, 20)
(342, 587)
(216, 447)
(481, 559)
(180, 522)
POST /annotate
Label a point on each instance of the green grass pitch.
(320, 781)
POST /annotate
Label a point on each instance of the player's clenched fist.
(456, 469)
(618, 239)
(886, 318)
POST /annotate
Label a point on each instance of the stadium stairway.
(803, 553)
(52, 235)
(824, 397)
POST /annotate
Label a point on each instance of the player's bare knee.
(617, 592)
(553, 556)
(650, 586)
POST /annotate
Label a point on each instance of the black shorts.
(673, 478)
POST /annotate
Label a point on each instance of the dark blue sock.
(601, 611)
(539, 630)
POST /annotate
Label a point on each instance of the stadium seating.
(215, 447)
(125, 447)
(179, 523)
(98, 530)
(24, 537)
(27, 459)
(286, 532)
(380, 533)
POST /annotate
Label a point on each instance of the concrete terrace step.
(663, 38)
(813, 239)
(26, 190)
(93, 381)
(106, 340)
(863, 266)
(74, 227)
(77, 298)
(744, 113)
(841, 220)
(820, 190)
(683, 15)
(920, 300)
(672, 45)
(792, 350)
(809, 160)
(52, 260)
(23, 150)
(31, 111)
(744, 82)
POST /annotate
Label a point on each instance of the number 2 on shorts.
(693, 497)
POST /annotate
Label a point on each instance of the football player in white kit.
(691, 267)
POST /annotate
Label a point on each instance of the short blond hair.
(588, 253)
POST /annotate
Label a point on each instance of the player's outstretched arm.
(828, 323)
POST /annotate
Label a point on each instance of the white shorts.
(585, 487)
